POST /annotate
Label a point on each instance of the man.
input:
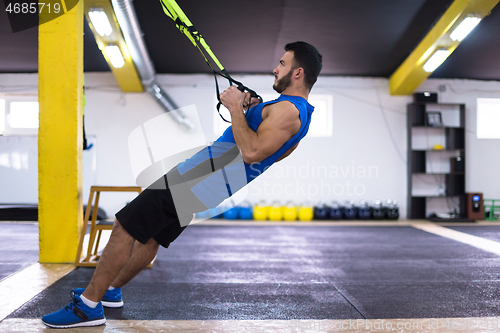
(266, 133)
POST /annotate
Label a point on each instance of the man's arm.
(288, 152)
(282, 122)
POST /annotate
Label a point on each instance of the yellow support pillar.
(60, 137)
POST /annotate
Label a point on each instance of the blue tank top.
(214, 187)
(254, 118)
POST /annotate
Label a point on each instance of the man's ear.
(299, 72)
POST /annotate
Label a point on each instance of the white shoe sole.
(112, 304)
(83, 324)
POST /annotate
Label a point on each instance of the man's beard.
(284, 82)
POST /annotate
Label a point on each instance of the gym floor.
(220, 276)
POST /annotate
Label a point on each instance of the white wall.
(364, 159)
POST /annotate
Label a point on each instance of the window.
(19, 115)
(321, 122)
(23, 115)
(488, 118)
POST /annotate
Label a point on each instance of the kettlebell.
(260, 211)
(275, 212)
(231, 213)
(290, 212)
(306, 212)
(245, 211)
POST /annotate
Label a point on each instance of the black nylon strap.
(196, 35)
(211, 158)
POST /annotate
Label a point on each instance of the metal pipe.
(129, 24)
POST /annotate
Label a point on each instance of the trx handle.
(172, 10)
(240, 87)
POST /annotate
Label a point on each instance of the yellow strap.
(172, 10)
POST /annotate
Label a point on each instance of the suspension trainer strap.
(172, 10)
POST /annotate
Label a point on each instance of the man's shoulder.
(283, 108)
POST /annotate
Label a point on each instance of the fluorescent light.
(115, 56)
(437, 59)
(100, 21)
(464, 28)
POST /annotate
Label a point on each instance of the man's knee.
(118, 229)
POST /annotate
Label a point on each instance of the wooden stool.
(96, 228)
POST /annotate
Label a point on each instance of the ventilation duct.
(129, 24)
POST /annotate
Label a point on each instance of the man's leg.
(113, 259)
(80, 312)
(142, 255)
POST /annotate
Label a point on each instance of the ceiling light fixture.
(100, 21)
(109, 37)
(464, 28)
(115, 56)
(437, 59)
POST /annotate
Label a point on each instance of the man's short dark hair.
(306, 56)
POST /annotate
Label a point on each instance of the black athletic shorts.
(152, 214)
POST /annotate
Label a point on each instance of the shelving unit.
(432, 173)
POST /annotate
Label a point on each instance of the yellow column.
(60, 70)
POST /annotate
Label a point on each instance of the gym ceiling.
(369, 38)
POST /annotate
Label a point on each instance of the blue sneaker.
(112, 298)
(75, 314)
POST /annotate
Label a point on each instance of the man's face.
(284, 82)
(283, 72)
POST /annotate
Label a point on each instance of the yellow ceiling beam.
(411, 74)
(127, 76)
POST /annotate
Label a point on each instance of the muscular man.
(265, 134)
